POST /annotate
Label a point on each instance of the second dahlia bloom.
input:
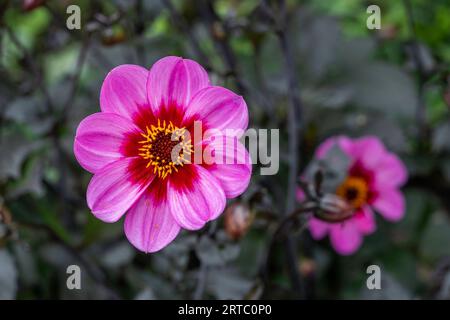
(140, 149)
(372, 183)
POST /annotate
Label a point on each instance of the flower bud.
(307, 267)
(28, 5)
(388, 32)
(5, 224)
(218, 31)
(238, 218)
(5, 215)
(112, 36)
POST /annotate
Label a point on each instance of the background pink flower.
(127, 146)
(373, 181)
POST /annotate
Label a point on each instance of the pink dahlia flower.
(373, 181)
(129, 147)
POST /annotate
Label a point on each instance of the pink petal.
(325, 146)
(369, 151)
(390, 203)
(300, 194)
(365, 220)
(391, 172)
(99, 138)
(192, 206)
(149, 226)
(174, 81)
(218, 108)
(115, 188)
(124, 91)
(345, 238)
(318, 228)
(231, 164)
(343, 142)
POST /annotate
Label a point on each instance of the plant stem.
(294, 124)
(421, 116)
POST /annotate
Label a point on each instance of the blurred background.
(317, 58)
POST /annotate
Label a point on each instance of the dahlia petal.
(174, 81)
(391, 172)
(365, 220)
(203, 201)
(345, 237)
(318, 228)
(99, 138)
(124, 91)
(149, 226)
(218, 108)
(390, 203)
(231, 164)
(343, 142)
(300, 194)
(369, 151)
(325, 146)
(115, 188)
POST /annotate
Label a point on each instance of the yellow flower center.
(354, 190)
(166, 147)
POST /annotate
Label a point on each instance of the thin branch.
(202, 273)
(421, 116)
(280, 234)
(100, 58)
(183, 26)
(139, 28)
(201, 282)
(434, 184)
(280, 231)
(219, 34)
(294, 125)
(76, 76)
(33, 68)
(263, 93)
(294, 113)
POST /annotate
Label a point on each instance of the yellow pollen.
(158, 145)
(354, 190)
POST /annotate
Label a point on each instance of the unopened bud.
(5, 224)
(388, 32)
(218, 30)
(307, 266)
(28, 5)
(5, 215)
(238, 219)
(113, 36)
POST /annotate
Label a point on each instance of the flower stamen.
(355, 191)
(166, 147)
